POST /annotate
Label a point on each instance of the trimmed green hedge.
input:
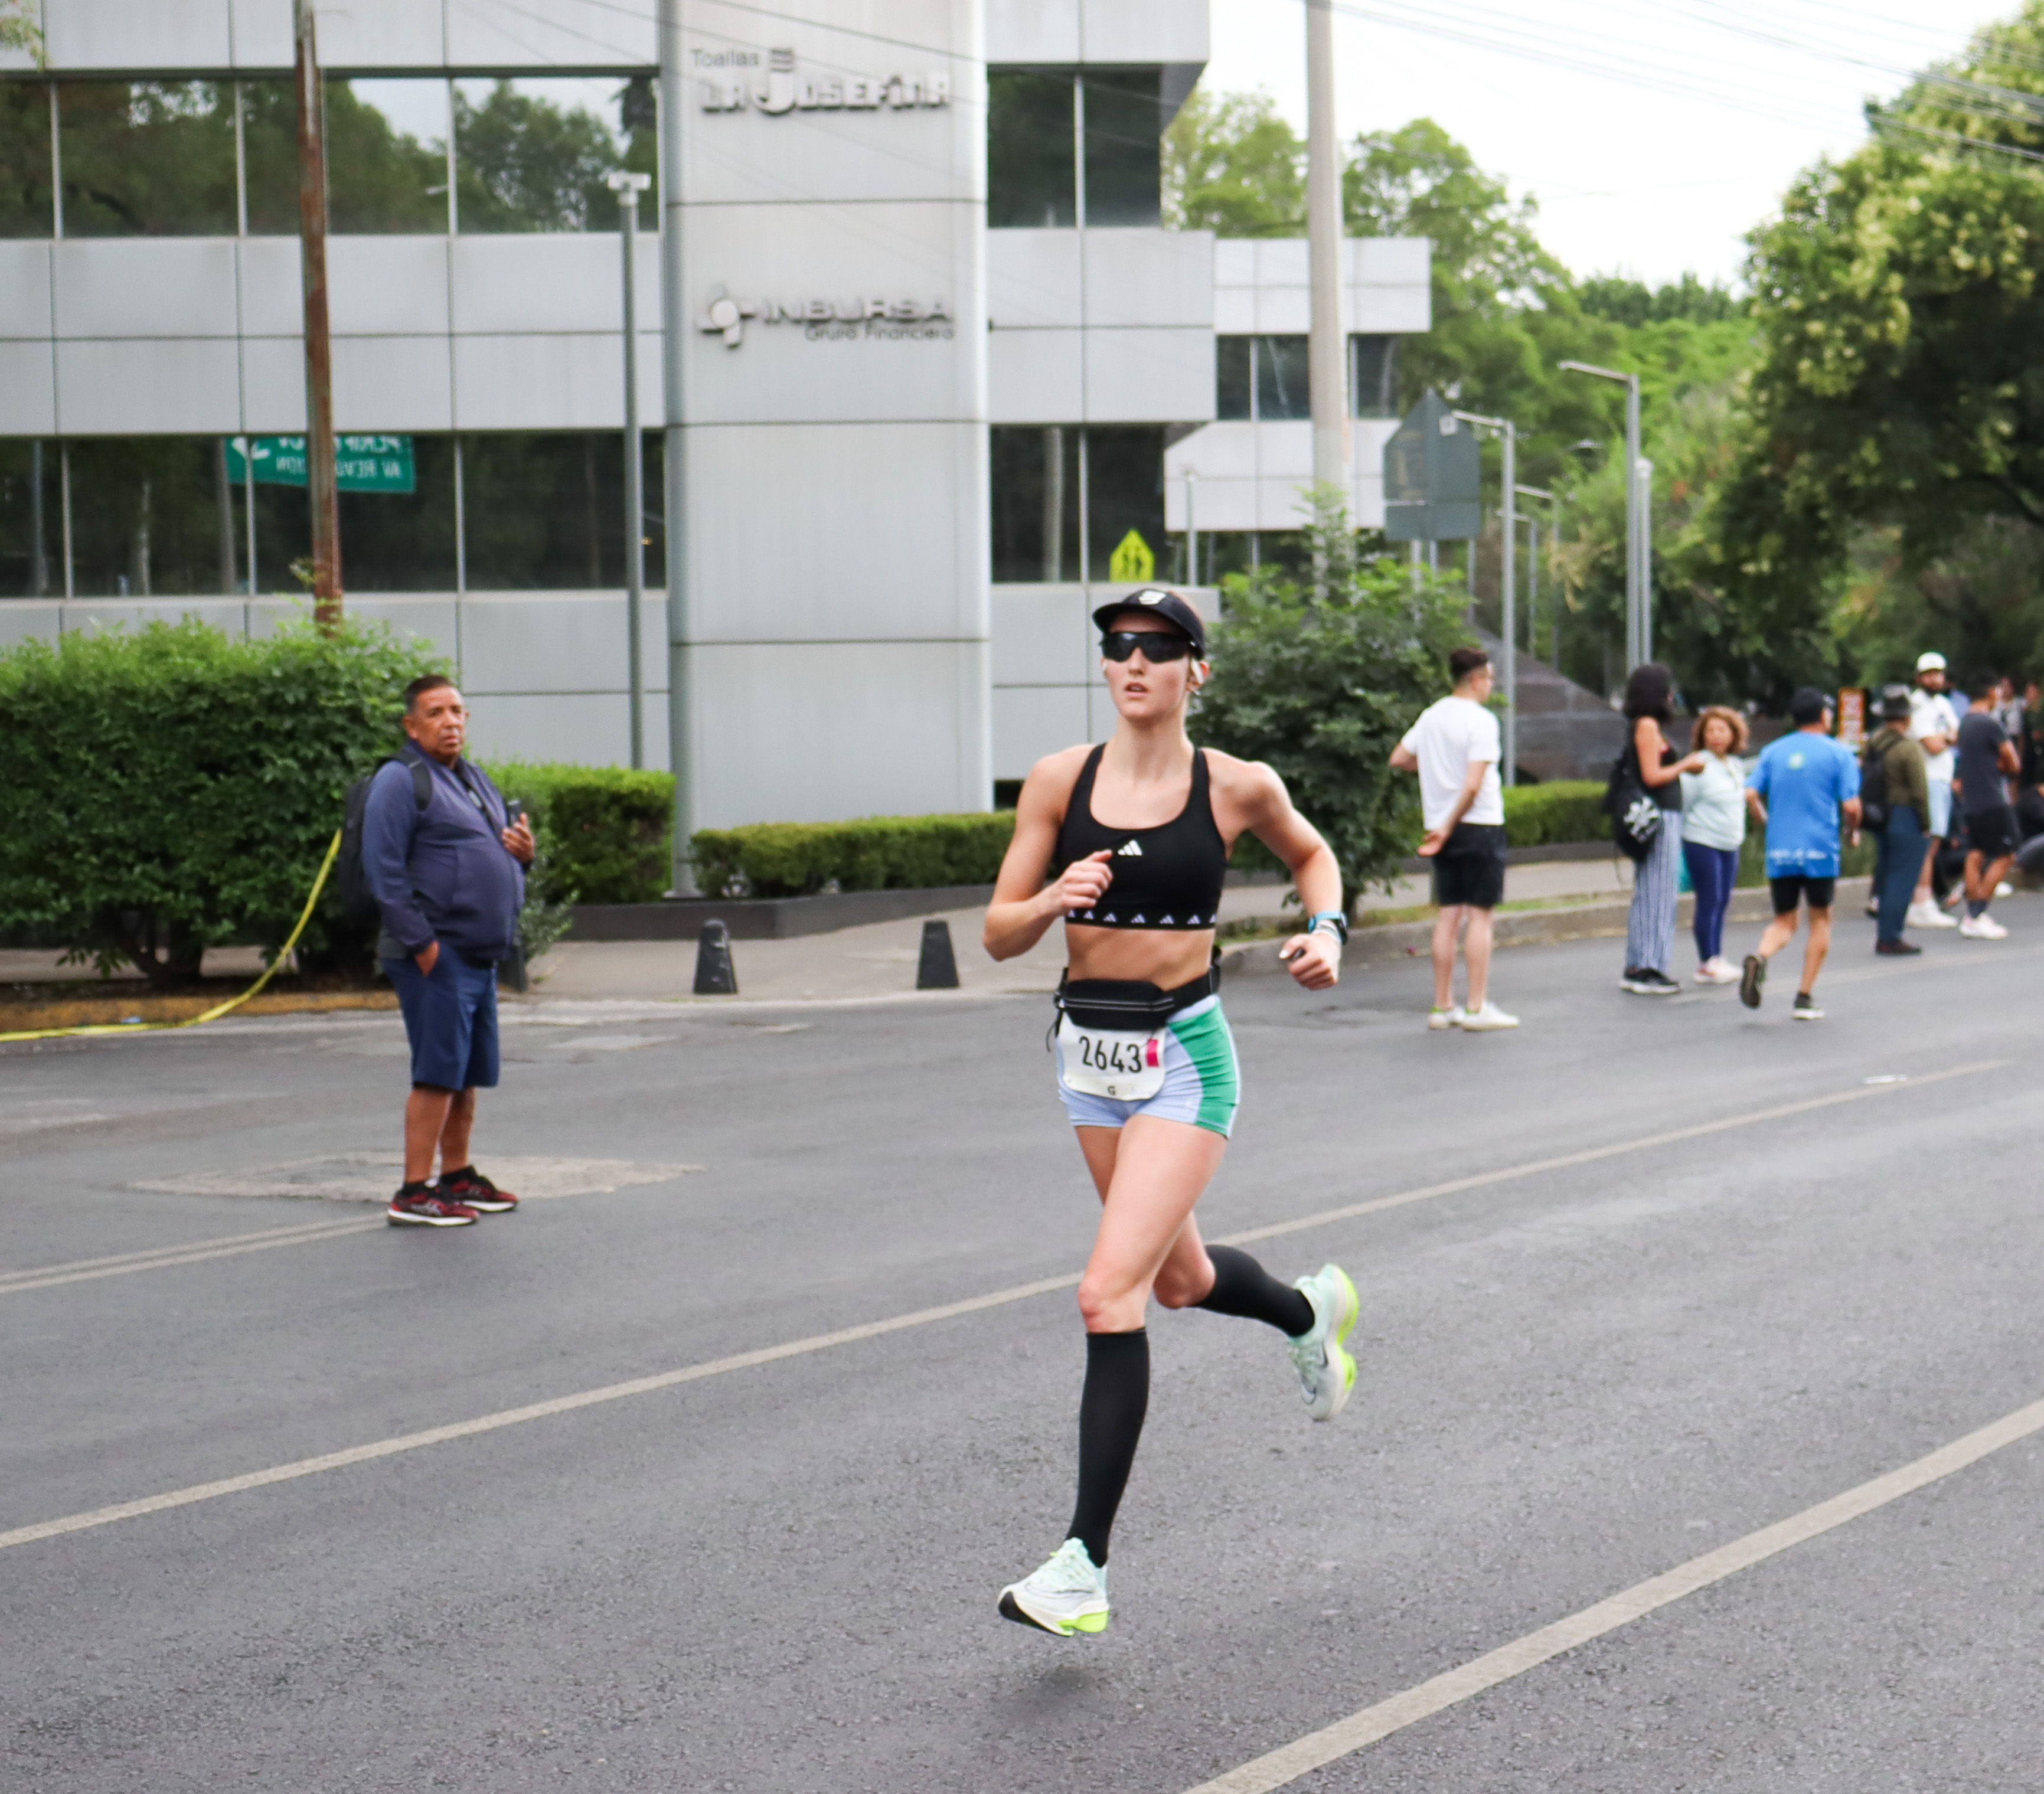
(875, 853)
(603, 830)
(1566, 811)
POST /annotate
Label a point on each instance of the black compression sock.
(1111, 1411)
(1243, 1287)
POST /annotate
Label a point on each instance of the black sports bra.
(1167, 876)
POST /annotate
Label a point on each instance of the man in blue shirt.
(1796, 789)
(450, 879)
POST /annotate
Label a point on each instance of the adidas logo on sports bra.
(1132, 850)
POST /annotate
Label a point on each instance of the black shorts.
(1469, 868)
(1993, 833)
(1799, 888)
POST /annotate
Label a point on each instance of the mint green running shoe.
(1068, 1595)
(1327, 1373)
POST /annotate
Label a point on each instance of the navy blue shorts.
(450, 1018)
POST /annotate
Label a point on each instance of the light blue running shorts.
(1202, 1080)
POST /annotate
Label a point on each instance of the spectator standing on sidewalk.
(450, 880)
(1898, 840)
(1713, 831)
(1797, 790)
(1454, 747)
(1933, 725)
(1986, 760)
(1649, 927)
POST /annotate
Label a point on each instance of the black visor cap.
(1157, 601)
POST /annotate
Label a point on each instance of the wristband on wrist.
(1328, 922)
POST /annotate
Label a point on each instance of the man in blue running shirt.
(1796, 791)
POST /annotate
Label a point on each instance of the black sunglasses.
(1158, 645)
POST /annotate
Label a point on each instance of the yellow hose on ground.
(219, 1009)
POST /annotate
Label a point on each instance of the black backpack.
(359, 907)
(1875, 806)
(1636, 819)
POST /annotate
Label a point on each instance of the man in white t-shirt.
(1455, 749)
(1934, 723)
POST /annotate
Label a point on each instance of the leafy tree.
(1319, 677)
(1634, 303)
(19, 29)
(522, 163)
(1233, 165)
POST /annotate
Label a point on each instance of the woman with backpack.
(1649, 765)
(1713, 830)
(1895, 804)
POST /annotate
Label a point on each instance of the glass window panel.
(403, 541)
(31, 520)
(1280, 378)
(150, 518)
(25, 159)
(533, 155)
(1372, 376)
(386, 169)
(148, 158)
(1231, 386)
(1031, 160)
(1035, 471)
(546, 511)
(1124, 491)
(1124, 130)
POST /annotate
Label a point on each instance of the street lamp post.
(1533, 567)
(1509, 596)
(1637, 646)
(627, 186)
(673, 507)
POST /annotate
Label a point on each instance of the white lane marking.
(20, 1282)
(1345, 1737)
(160, 1252)
(867, 1330)
(1511, 1173)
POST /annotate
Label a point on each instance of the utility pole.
(1326, 345)
(627, 186)
(320, 489)
(1643, 485)
(1508, 606)
(1191, 529)
(674, 343)
(1636, 506)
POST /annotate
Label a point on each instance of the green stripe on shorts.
(1211, 1048)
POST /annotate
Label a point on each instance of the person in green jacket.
(1899, 842)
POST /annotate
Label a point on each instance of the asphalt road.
(781, 1576)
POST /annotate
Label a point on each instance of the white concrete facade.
(846, 650)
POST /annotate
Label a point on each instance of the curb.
(1513, 927)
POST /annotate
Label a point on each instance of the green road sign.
(361, 463)
(1432, 471)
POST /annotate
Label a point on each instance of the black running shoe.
(1806, 1009)
(469, 1188)
(1751, 979)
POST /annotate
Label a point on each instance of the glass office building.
(944, 374)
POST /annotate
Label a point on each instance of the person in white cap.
(1934, 725)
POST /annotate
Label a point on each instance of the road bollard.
(716, 976)
(937, 969)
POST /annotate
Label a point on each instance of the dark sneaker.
(420, 1205)
(1806, 1009)
(470, 1188)
(1647, 981)
(1751, 979)
(1897, 947)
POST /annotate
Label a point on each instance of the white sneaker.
(1484, 1020)
(1928, 916)
(1327, 1373)
(1067, 1595)
(1982, 927)
(1717, 971)
(1450, 1017)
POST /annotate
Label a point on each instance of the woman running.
(1134, 838)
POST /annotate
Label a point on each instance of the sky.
(1654, 134)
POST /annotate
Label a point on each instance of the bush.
(1321, 681)
(1566, 811)
(603, 831)
(171, 789)
(876, 853)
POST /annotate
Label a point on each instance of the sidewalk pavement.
(879, 958)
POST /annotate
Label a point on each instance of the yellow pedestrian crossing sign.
(1132, 563)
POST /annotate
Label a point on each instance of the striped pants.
(1650, 930)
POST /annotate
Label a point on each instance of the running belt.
(1131, 1005)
